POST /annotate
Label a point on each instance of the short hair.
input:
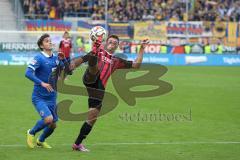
(40, 40)
(66, 32)
(113, 36)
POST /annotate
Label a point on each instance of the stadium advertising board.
(151, 30)
(10, 46)
(48, 25)
(17, 58)
(23, 58)
(191, 60)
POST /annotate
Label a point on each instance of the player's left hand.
(144, 43)
(61, 55)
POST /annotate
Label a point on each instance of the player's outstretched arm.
(138, 61)
(76, 62)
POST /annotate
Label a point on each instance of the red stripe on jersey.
(105, 73)
(110, 70)
(107, 64)
(106, 58)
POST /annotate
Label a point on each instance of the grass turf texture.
(212, 94)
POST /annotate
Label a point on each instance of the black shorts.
(95, 90)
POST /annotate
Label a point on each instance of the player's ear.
(41, 47)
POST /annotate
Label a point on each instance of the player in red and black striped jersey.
(101, 64)
(65, 45)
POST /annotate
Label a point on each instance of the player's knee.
(92, 118)
(92, 121)
(48, 120)
(53, 125)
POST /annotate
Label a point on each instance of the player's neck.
(49, 52)
(110, 52)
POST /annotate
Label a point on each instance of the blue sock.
(46, 133)
(38, 127)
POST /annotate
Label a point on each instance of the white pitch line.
(132, 143)
(164, 143)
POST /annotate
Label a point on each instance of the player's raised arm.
(76, 62)
(138, 61)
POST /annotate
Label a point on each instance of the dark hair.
(66, 32)
(113, 36)
(40, 40)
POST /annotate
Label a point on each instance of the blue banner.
(23, 58)
(190, 59)
(48, 25)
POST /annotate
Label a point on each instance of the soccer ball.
(97, 32)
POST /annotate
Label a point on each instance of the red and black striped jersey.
(108, 63)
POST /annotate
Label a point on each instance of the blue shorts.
(45, 108)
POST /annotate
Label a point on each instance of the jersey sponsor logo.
(106, 59)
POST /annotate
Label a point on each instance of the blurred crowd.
(216, 10)
(126, 10)
(57, 9)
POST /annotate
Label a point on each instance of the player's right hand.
(47, 86)
(61, 55)
(144, 43)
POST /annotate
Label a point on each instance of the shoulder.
(120, 57)
(61, 42)
(36, 61)
(38, 57)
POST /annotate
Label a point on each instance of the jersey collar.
(108, 53)
(45, 54)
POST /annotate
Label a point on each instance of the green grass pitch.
(213, 133)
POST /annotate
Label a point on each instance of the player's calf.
(92, 115)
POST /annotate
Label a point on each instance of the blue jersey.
(43, 66)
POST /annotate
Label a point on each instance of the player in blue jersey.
(44, 95)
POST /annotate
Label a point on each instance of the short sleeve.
(35, 63)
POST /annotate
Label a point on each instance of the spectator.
(26, 5)
(178, 50)
(207, 48)
(127, 10)
(52, 13)
(197, 48)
